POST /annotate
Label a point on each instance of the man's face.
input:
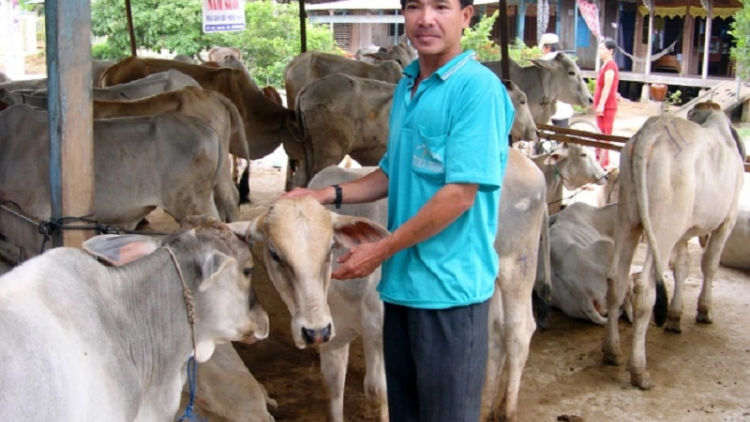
(434, 26)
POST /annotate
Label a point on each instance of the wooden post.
(504, 55)
(575, 26)
(650, 41)
(601, 34)
(68, 28)
(131, 31)
(707, 42)
(303, 27)
(687, 42)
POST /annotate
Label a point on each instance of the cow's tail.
(543, 287)
(643, 143)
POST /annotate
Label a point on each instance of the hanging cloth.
(658, 55)
(590, 14)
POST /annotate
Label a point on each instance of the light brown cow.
(341, 114)
(218, 54)
(4, 78)
(403, 54)
(267, 124)
(171, 161)
(678, 180)
(307, 67)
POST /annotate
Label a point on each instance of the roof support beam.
(68, 28)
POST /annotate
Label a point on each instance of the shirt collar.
(412, 70)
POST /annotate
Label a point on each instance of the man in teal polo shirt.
(442, 172)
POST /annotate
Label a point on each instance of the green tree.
(477, 38)
(741, 33)
(271, 40)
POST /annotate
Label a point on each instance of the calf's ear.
(249, 231)
(213, 264)
(119, 250)
(351, 231)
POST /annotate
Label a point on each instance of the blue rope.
(190, 415)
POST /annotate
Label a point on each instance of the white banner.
(223, 15)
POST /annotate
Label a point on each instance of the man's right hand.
(325, 196)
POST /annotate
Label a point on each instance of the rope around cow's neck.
(189, 414)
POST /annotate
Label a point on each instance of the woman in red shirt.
(605, 97)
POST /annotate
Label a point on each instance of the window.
(342, 35)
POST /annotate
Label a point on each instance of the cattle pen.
(591, 139)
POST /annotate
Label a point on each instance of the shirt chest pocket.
(428, 155)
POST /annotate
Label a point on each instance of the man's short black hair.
(464, 3)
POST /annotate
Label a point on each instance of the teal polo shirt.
(453, 130)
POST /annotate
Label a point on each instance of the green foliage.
(673, 99)
(741, 33)
(270, 41)
(104, 51)
(478, 39)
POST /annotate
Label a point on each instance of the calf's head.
(215, 265)
(298, 237)
(576, 166)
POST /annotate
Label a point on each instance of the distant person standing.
(550, 44)
(605, 97)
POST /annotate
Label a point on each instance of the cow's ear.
(213, 264)
(351, 231)
(544, 64)
(119, 250)
(249, 231)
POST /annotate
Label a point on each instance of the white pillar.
(707, 42)
(650, 42)
(10, 32)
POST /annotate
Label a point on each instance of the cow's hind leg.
(681, 266)
(618, 281)
(519, 327)
(495, 359)
(333, 362)
(709, 265)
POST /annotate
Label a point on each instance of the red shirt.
(611, 103)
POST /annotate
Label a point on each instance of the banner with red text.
(223, 15)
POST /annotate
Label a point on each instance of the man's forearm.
(369, 188)
(449, 203)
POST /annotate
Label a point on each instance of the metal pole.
(71, 154)
(129, 14)
(504, 56)
(303, 27)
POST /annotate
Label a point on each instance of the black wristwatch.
(337, 201)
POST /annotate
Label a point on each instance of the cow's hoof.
(614, 359)
(673, 325)
(704, 318)
(642, 380)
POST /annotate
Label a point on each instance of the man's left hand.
(360, 261)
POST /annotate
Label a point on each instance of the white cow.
(571, 166)
(736, 253)
(678, 180)
(581, 249)
(95, 343)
